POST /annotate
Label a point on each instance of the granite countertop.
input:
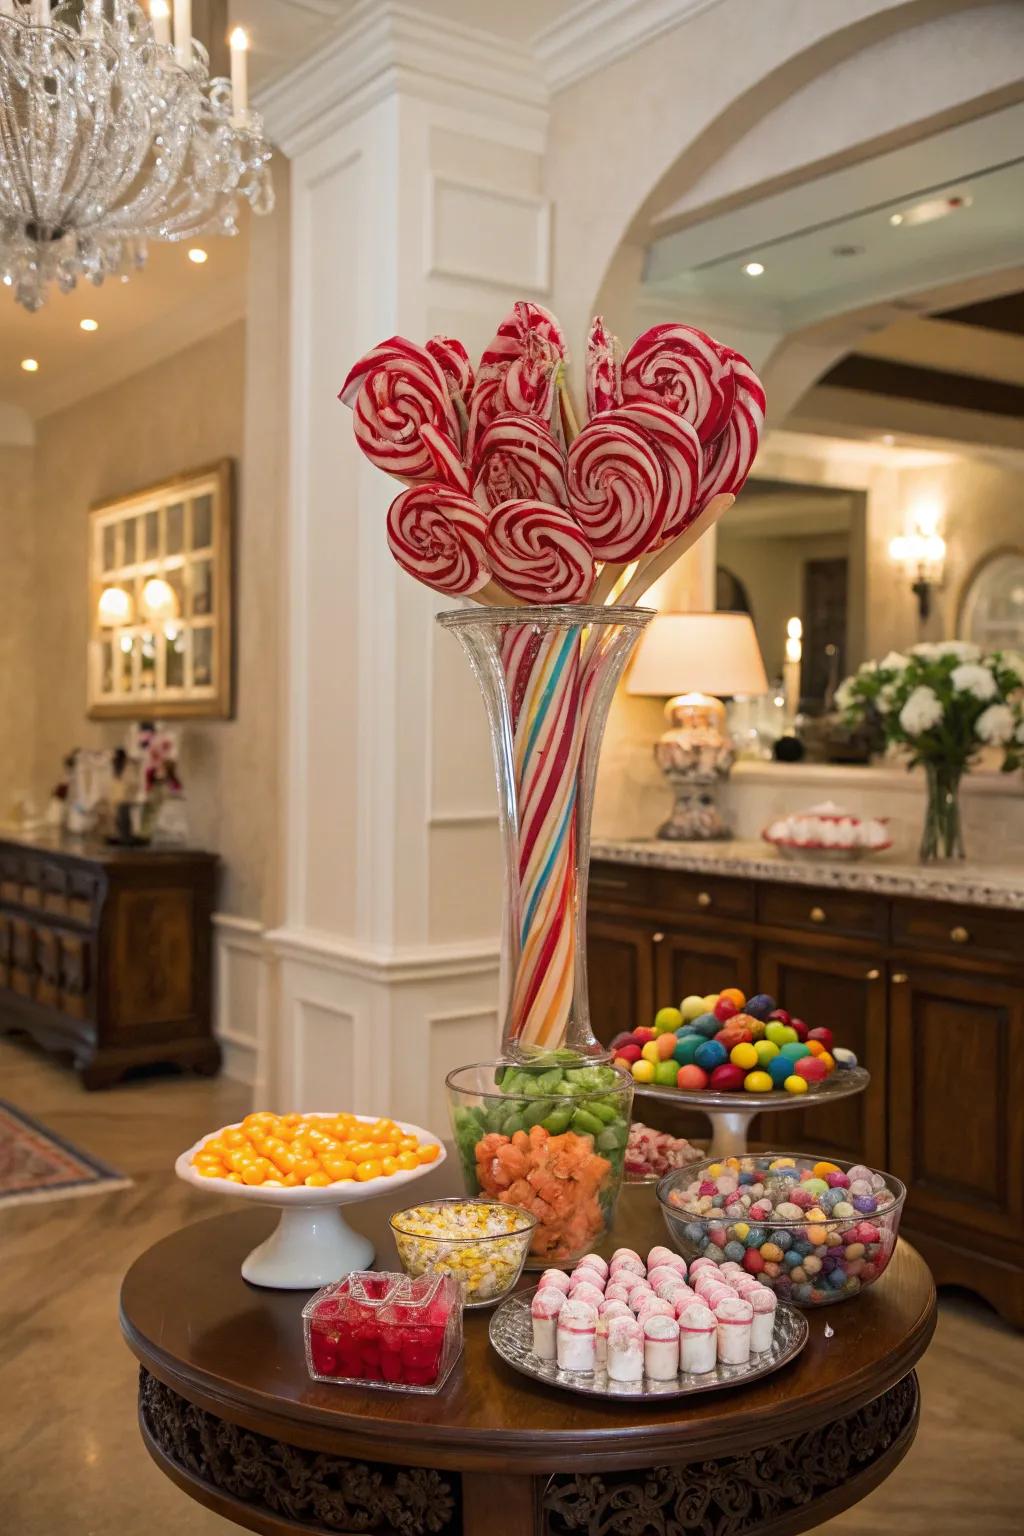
(971, 883)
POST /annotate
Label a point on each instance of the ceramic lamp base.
(310, 1246)
(695, 816)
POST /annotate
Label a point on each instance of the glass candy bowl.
(481, 1243)
(384, 1330)
(822, 1243)
(548, 1135)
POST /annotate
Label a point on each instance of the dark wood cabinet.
(929, 994)
(846, 994)
(106, 953)
(957, 1124)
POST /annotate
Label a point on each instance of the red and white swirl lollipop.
(526, 328)
(617, 488)
(438, 535)
(681, 457)
(604, 369)
(453, 360)
(395, 391)
(683, 369)
(539, 553)
(731, 457)
(517, 458)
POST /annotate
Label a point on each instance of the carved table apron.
(227, 1410)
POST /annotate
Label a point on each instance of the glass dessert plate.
(312, 1243)
(731, 1113)
(511, 1335)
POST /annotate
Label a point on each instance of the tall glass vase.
(942, 837)
(547, 677)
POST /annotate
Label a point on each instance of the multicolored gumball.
(680, 367)
(438, 535)
(539, 553)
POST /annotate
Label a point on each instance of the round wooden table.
(227, 1411)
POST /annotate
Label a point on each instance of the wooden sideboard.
(930, 995)
(106, 953)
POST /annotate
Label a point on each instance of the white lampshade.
(714, 653)
(114, 607)
(159, 599)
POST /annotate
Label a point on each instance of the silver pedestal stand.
(731, 1113)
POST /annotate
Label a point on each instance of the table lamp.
(717, 654)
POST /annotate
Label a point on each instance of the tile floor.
(72, 1464)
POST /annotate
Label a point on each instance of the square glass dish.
(392, 1331)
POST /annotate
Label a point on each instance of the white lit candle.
(183, 32)
(791, 667)
(239, 75)
(160, 16)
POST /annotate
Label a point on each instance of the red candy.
(629, 1053)
(822, 1034)
(752, 1261)
(724, 1009)
(800, 1027)
(811, 1069)
(727, 1078)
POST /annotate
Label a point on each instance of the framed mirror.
(991, 607)
(160, 582)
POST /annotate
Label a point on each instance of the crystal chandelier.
(112, 135)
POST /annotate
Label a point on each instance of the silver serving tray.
(511, 1334)
(839, 1085)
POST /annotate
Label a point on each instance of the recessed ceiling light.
(29, 365)
(932, 208)
(754, 268)
(895, 218)
(198, 255)
(888, 439)
(88, 325)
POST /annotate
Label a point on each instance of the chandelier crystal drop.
(107, 141)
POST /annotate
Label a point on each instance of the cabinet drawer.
(690, 895)
(670, 893)
(849, 914)
(953, 930)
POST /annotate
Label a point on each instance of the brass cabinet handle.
(899, 977)
(959, 934)
(817, 915)
(873, 974)
(703, 899)
(657, 938)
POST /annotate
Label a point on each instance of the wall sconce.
(159, 599)
(114, 607)
(922, 555)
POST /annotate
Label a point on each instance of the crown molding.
(383, 48)
(597, 32)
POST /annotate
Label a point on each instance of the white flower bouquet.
(942, 703)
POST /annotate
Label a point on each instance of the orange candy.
(285, 1151)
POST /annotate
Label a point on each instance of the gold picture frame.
(160, 600)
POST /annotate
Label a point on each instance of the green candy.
(558, 1122)
(794, 1050)
(586, 1124)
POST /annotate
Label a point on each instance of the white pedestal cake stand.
(731, 1113)
(312, 1243)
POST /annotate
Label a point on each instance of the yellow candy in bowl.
(481, 1243)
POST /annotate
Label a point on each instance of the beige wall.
(17, 695)
(185, 411)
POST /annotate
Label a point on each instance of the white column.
(415, 172)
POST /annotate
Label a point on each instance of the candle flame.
(239, 38)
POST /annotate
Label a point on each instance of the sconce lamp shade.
(114, 607)
(159, 599)
(714, 653)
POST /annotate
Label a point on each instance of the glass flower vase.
(547, 677)
(942, 836)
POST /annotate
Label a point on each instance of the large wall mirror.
(991, 609)
(160, 600)
(788, 550)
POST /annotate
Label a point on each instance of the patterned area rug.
(37, 1165)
